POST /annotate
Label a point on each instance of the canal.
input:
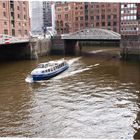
(94, 98)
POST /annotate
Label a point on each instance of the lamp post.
(44, 31)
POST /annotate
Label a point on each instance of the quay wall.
(46, 46)
(130, 48)
(40, 47)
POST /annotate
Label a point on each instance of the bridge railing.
(6, 39)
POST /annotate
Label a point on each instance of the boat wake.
(29, 79)
(71, 61)
(70, 74)
(64, 75)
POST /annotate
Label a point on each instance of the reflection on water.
(94, 98)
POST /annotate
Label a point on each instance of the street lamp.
(44, 30)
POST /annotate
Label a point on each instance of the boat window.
(48, 70)
(40, 66)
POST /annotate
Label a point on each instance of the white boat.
(45, 71)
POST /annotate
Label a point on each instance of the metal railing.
(6, 39)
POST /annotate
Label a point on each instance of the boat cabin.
(51, 66)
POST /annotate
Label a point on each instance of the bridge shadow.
(15, 51)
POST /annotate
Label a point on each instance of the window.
(103, 16)
(108, 10)
(103, 5)
(114, 23)
(5, 31)
(92, 25)
(66, 8)
(25, 17)
(13, 32)
(108, 4)
(59, 16)
(3, 5)
(86, 17)
(92, 17)
(4, 14)
(97, 11)
(24, 9)
(114, 10)
(19, 32)
(97, 23)
(86, 24)
(12, 24)
(81, 18)
(109, 24)
(97, 17)
(109, 17)
(18, 16)
(86, 7)
(26, 33)
(103, 23)
(103, 10)
(59, 9)
(76, 25)
(114, 16)
(114, 29)
(81, 24)
(17, 7)
(125, 5)
(66, 16)
(76, 18)
(97, 6)
(122, 11)
(5, 23)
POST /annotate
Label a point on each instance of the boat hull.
(39, 77)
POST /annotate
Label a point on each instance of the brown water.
(94, 98)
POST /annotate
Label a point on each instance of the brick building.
(14, 18)
(105, 16)
(74, 16)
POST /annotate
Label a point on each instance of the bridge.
(6, 39)
(14, 47)
(89, 34)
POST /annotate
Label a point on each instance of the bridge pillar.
(70, 46)
(130, 47)
(33, 46)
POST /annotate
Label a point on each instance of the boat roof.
(52, 62)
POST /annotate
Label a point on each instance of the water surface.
(94, 98)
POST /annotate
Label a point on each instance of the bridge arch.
(93, 34)
(89, 34)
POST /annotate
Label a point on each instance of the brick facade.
(14, 18)
(81, 15)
